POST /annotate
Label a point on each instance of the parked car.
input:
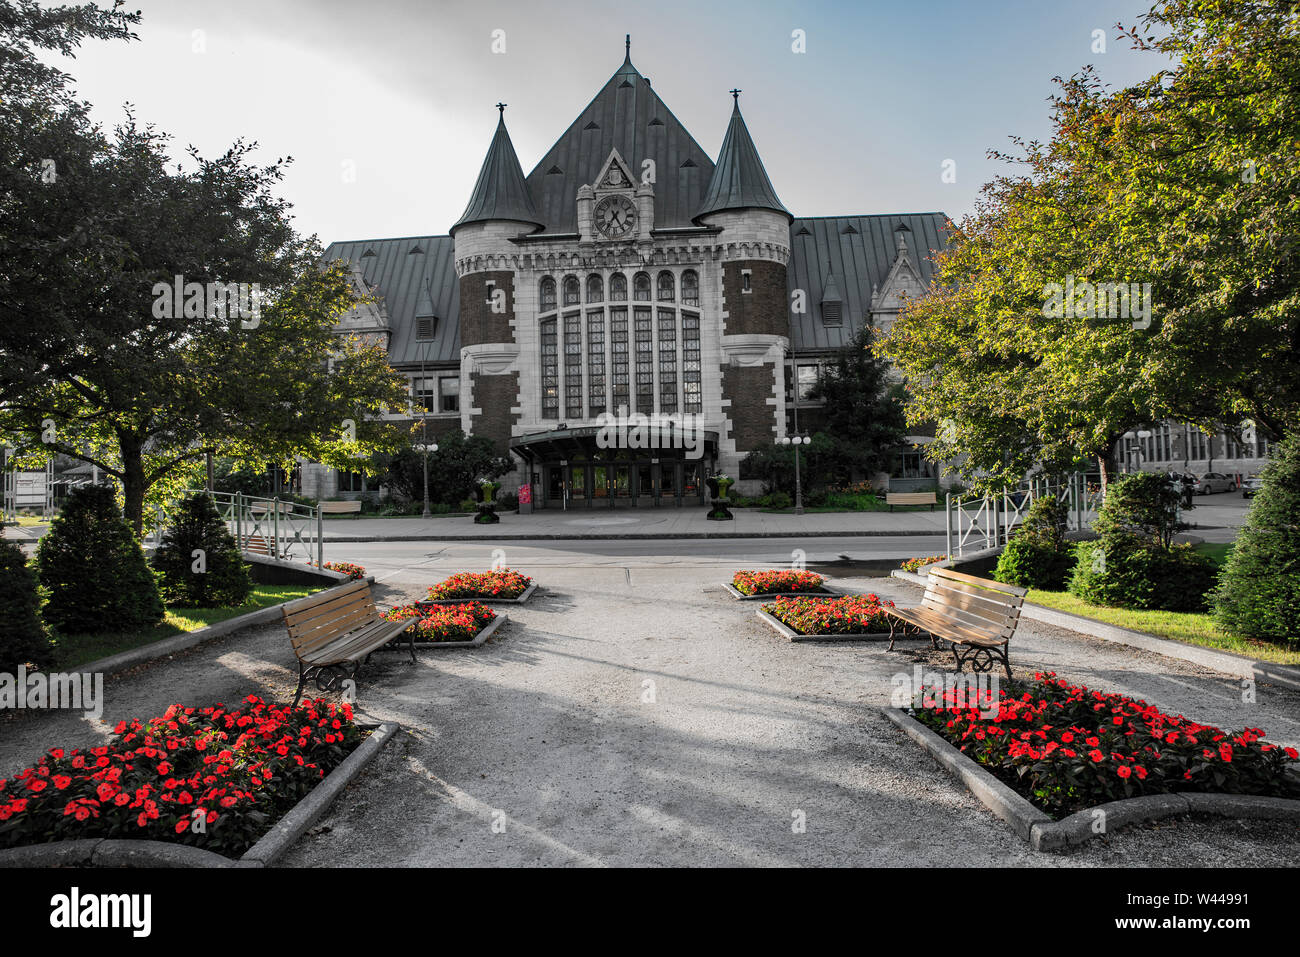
(1249, 486)
(1210, 482)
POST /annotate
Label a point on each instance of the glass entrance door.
(622, 484)
(578, 494)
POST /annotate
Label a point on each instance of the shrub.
(22, 636)
(849, 615)
(499, 583)
(444, 622)
(243, 767)
(768, 582)
(1259, 592)
(780, 500)
(1038, 555)
(223, 580)
(1125, 572)
(1067, 748)
(91, 564)
(1144, 504)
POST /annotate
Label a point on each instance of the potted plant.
(718, 484)
(486, 507)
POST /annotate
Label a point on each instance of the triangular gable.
(615, 174)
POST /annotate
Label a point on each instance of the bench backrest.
(256, 544)
(979, 604)
(910, 498)
(318, 619)
(329, 508)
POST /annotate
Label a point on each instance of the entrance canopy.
(585, 445)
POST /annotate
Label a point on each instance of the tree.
(454, 470)
(22, 636)
(1184, 185)
(1259, 589)
(199, 564)
(864, 412)
(93, 568)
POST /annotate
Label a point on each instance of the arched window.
(548, 294)
(572, 290)
(666, 284)
(690, 288)
(618, 288)
(595, 288)
(641, 286)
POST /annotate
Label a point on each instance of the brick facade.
(495, 395)
(762, 310)
(478, 322)
(751, 418)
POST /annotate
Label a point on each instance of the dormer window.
(832, 312)
(425, 327)
(548, 294)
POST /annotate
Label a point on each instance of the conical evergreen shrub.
(94, 570)
(1259, 589)
(218, 576)
(22, 636)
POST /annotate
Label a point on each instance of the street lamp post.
(796, 441)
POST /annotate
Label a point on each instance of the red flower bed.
(354, 572)
(1066, 748)
(768, 582)
(242, 769)
(914, 565)
(849, 615)
(505, 583)
(444, 622)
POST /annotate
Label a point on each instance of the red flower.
(1123, 770)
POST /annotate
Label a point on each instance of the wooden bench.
(911, 498)
(334, 632)
(352, 508)
(975, 615)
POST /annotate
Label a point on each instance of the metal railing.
(283, 530)
(979, 522)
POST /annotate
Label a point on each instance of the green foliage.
(1143, 504)
(1259, 594)
(454, 470)
(22, 636)
(94, 570)
(1038, 555)
(1123, 571)
(223, 581)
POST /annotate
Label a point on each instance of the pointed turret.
(501, 192)
(739, 179)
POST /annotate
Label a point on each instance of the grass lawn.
(1194, 629)
(73, 650)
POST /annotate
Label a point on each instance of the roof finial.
(735, 95)
(502, 108)
(627, 45)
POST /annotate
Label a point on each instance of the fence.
(286, 531)
(978, 522)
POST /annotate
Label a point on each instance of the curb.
(785, 631)
(474, 642)
(177, 643)
(1224, 662)
(1044, 834)
(108, 852)
(527, 593)
(579, 536)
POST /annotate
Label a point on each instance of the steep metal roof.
(739, 180)
(415, 277)
(858, 251)
(500, 192)
(626, 115)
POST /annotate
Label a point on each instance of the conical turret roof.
(739, 179)
(501, 192)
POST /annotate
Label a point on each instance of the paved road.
(635, 715)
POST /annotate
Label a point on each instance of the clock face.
(615, 217)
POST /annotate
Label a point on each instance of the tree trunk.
(133, 481)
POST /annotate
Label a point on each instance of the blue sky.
(387, 105)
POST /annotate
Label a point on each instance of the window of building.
(645, 368)
(550, 371)
(744, 281)
(424, 393)
(806, 375)
(1262, 446)
(667, 361)
(596, 401)
(449, 394)
(667, 286)
(595, 288)
(690, 288)
(572, 291)
(425, 326)
(641, 287)
(573, 365)
(692, 396)
(618, 354)
(913, 464)
(351, 481)
(618, 288)
(548, 294)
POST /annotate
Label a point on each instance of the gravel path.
(632, 714)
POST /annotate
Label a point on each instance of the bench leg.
(302, 681)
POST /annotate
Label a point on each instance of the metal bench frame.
(335, 632)
(976, 616)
